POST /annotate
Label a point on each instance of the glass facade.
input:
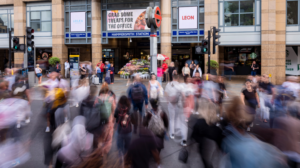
(6, 20)
(292, 12)
(239, 13)
(39, 18)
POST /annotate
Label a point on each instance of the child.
(112, 73)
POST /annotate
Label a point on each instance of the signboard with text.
(77, 21)
(126, 20)
(292, 66)
(188, 17)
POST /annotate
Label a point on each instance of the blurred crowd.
(259, 128)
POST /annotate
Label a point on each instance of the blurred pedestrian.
(138, 95)
(124, 121)
(223, 94)
(112, 73)
(254, 68)
(164, 68)
(154, 88)
(98, 72)
(157, 121)
(186, 70)
(67, 68)
(250, 98)
(171, 70)
(57, 67)
(192, 67)
(107, 73)
(38, 73)
(83, 71)
(197, 69)
(159, 73)
(102, 68)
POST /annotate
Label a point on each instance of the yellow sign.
(206, 77)
(72, 56)
(270, 75)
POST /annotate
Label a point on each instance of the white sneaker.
(248, 129)
(47, 129)
(27, 121)
(183, 143)
(18, 125)
(77, 105)
(66, 119)
(172, 136)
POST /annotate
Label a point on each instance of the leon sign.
(188, 17)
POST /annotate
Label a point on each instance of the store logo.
(77, 21)
(188, 17)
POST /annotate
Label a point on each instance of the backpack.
(156, 124)
(105, 108)
(173, 93)
(137, 93)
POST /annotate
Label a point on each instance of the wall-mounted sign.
(129, 34)
(188, 17)
(126, 20)
(77, 21)
(78, 35)
(185, 33)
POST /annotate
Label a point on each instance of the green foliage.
(53, 61)
(213, 64)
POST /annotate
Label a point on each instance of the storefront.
(242, 59)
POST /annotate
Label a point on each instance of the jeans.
(67, 72)
(123, 142)
(253, 73)
(112, 79)
(177, 120)
(101, 77)
(159, 80)
(138, 107)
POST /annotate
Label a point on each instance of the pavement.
(169, 155)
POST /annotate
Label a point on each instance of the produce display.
(137, 66)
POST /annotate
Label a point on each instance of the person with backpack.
(174, 96)
(124, 121)
(138, 95)
(157, 121)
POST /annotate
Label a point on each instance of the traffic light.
(16, 44)
(215, 38)
(204, 48)
(29, 36)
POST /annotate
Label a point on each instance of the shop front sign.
(188, 17)
(185, 33)
(129, 34)
(77, 21)
(133, 19)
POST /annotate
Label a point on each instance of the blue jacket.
(145, 93)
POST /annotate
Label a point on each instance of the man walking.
(67, 68)
(138, 95)
(101, 66)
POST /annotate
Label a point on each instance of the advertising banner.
(77, 21)
(188, 17)
(292, 61)
(126, 20)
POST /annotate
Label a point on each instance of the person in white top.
(197, 69)
(38, 73)
(186, 70)
(67, 68)
(153, 87)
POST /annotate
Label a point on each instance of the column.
(211, 19)
(273, 39)
(96, 32)
(165, 30)
(59, 49)
(19, 29)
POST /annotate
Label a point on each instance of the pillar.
(211, 19)
(273, 39)
(19, 29)
(96, 32)
(165, 41)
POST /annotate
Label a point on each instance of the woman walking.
(186, 70)
(112, 73)
(159, 73)
(171, 70)
(192, 67)
(38, 73)
(153, 88)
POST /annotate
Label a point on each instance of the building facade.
(265, 31)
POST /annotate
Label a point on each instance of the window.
(6, 20)
(239, 13)
(40, 21)
(292, 12)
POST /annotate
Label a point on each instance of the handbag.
(111, 72)
(183, 155)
